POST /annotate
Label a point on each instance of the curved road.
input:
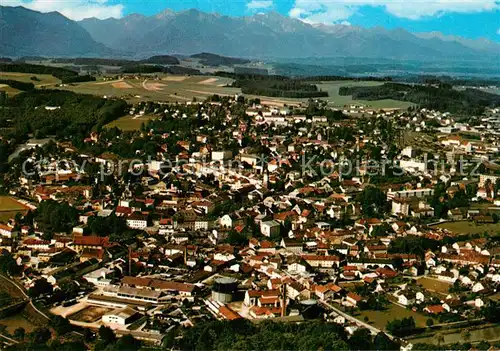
(352, 319)
(26, 296)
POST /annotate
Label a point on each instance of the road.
(26, 296)
(352, 319)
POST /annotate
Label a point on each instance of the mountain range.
(270, 35)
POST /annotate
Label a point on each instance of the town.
(380, 223)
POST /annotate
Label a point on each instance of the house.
(270, 228)
(434, 309)
(352, 299)
(137, 220)
(407, 298)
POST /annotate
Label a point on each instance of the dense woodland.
(78, 79)
(268, 335)
(276, 86)
(76, 115)
(57, 72)
(17, 84)
(209, 59)
(441, 98)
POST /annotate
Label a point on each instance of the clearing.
(129, 123)
(466, 227)
(380, 319)
(434, 285)
(339, 101)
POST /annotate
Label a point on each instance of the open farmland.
(171, 88)
(43, 79)
(168, 88)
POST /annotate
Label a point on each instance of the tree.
(466, 335)
(40, 336)
(128, 343)
(429, 322)
(439, 338)
(360, 340)
(107, 335)
(61, 325)
(40, 287)
(19, 333)
(373, 201)
(383, 342)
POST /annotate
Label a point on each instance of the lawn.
(434, 285)
(43, 79)
(129, 123)
(465, 227)
(380, 319)
(9, 207)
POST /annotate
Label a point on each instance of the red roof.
(90, 240)
(228, 313)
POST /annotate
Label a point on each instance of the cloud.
(259, 4)
(327, 11)
(73, 9)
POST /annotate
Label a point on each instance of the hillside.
(31, 33)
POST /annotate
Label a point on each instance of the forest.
(442, 97)
(76, 115)
(209, 59)
(269, 335)
(77, 79)
(57, 72)
(24, 86)
(277, 86)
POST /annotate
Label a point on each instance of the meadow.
(9, 207)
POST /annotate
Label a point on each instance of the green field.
(129, 123)
(434, 285)
(339, 101)
(172, 88)
(465, 227)
(379, 319)
(9, 207)
(43, 79)
(169, 88)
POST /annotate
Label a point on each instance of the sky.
(466, 18)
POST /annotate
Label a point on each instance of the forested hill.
(61, 113)
(441, 97)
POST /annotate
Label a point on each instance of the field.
(9, 207)
(173, 88)
(129, 123)
(169, 88)
(465, 227)
(379, 319)
(89, 314)
(44, 80)
(339, 101)
(434, 285)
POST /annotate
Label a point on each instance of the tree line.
(441, 98)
